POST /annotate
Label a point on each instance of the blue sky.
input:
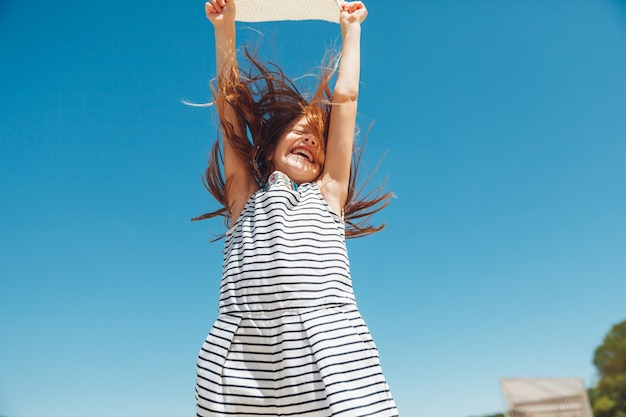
(504, 126)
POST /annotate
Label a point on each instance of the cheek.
(322, 157)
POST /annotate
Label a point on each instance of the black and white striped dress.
(289, 340)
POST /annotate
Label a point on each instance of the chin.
(299, 174)
(302, 179)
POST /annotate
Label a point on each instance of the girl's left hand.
(352, 12)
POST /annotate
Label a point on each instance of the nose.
(310, 139)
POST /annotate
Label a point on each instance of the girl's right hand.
(220, 11)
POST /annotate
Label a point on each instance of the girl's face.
(298, 153)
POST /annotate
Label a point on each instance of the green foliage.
(610, 357)
(608, 398)
(603, 406)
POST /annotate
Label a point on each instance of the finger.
(208, 8)
(351, 7)
(219, 5)
(358, 6)
(213, 7)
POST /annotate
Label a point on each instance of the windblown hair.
(267, 103)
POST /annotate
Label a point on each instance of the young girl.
(289, 340)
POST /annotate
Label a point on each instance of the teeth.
(304, 153)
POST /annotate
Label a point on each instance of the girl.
(289, 340)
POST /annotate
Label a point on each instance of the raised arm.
(239, 182)
(335, 177)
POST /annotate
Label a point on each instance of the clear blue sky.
(504, 255)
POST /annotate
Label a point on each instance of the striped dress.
(289, 340)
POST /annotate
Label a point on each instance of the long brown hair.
(267, 103)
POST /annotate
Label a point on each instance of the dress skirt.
(311, 363)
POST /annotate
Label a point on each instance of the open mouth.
(303, 153)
